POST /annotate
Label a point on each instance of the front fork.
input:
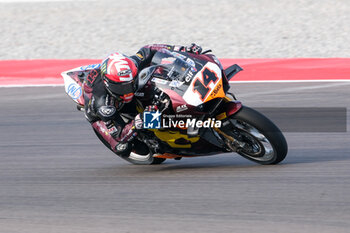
(230, 108)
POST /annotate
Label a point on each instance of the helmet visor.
(120, 88)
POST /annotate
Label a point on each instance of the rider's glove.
(193, 48)
(138, 122)
(151, 108)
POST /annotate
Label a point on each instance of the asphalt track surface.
(55, 176)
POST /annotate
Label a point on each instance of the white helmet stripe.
(109, 68)
(125, 79)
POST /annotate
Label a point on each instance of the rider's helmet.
(118, 72)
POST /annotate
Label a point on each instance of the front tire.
(140, 155)
(260, 140)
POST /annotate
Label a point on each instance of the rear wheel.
(256, 137)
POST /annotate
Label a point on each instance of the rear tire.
(268, 145)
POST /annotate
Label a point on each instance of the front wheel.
(139, 155)
(256, 137)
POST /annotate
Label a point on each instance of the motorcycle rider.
(109, 91)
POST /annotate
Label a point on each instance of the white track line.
(231, 82)
(29, 1)
(293, 89)
(293, 81)
(32, 85)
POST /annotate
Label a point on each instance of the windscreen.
(174, 67)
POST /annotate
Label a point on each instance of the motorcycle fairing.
(73, 81)
(195, 80)
(175, 139)
(205, 85)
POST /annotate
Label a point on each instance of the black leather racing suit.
(103, 110)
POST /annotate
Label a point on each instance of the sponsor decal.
(122, 147)
(175, 83)
(91, 77)
(171, 71)
(181, 108)
(226, 123)
(151, 120)
(216, 90)
(190, 62)
(124, 72)
(139, 55)
(92, 104)
(189, 76)
(139, 94)
(160, 81)
(104, 66)
(88, 67)
(102, 128)
(107, 111)
(168, 60)
(117, 62)
(178, 55)
(74, 91)
(112, 130)
(177, 48)
(160, 46)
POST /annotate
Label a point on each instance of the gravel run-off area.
(231, 28)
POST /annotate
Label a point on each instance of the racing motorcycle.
(197, 114)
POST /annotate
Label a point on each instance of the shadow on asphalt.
(223, 164)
